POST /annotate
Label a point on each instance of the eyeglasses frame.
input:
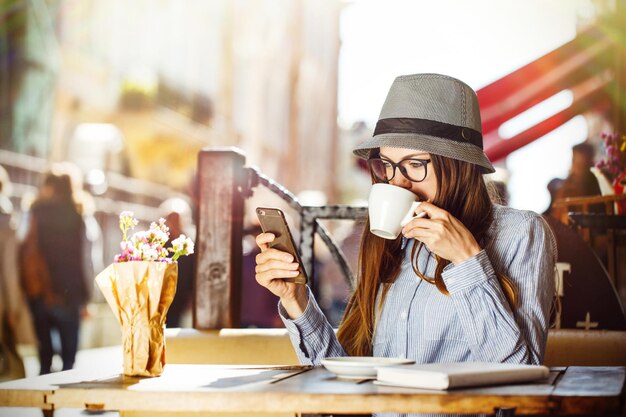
(398, 165)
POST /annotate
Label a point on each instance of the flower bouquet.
(139, 286)
(613, 166)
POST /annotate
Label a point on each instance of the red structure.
(592, 66)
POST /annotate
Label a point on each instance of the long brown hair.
(461, 190)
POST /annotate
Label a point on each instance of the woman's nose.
(399, 180)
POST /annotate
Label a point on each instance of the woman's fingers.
(431, 210)
(276, 264)
(273, 254)
(272, 266)
(442, 233)
(422, 229)
(267, 277)
(264, 239)
(423, 224)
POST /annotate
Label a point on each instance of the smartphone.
(273, 221)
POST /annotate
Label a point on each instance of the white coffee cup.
(390, 208)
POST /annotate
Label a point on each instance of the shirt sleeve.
(312, 336)
(496, 331)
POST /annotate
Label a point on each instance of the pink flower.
(150, 245)
(614, 162)
(610, 150)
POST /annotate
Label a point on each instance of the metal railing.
(310, 225)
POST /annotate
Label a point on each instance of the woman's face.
(426, 189)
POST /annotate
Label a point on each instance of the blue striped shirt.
(473, 323)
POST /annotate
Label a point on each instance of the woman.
(14, 317)
(471, 281)
(52, 269)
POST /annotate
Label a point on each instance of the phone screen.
(273, 221)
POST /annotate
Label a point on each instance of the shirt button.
(403, 314)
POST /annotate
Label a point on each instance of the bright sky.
(477, 41)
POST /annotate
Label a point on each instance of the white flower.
(150, 245)
(182, 245)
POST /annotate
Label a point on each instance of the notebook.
(442, 376)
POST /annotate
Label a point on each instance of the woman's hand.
(442, 233)
(272, 266)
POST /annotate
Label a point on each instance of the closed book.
(442, 376)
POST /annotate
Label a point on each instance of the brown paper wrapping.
(140, 293)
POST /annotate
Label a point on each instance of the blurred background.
(123, 95)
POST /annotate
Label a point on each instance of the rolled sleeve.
(309, 322)
(472, 272)
(312, 337)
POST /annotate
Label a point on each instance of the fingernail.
(294, 272)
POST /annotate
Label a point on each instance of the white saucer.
(358, 367)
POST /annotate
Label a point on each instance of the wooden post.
(217, 294)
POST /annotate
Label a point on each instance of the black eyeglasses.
(385, 170)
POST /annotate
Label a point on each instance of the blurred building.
(174, 77)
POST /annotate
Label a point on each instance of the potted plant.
(139, 286)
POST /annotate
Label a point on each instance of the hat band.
(429, 127)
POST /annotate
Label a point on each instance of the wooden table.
(192, 388)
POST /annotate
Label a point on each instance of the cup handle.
(411, 214)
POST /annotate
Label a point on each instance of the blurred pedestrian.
(554, 186)
(86, 206)
(52, 269)
(580, 182)
(12, 305)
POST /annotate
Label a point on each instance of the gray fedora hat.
(432, 113)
